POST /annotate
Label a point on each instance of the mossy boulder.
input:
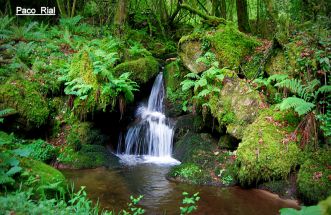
(89, 156)
(42, 177)
(314, 178)
(228, 44)
(142, 69)
(236, 106)
(83, 133)
(202, 161)
(266, 152)
(227, 142)
(187, 123)
(25, 98)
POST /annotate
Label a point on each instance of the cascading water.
(150, 138)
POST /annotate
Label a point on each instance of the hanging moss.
(264, 154)
(142, 69)
(314, 177)
(25, 98)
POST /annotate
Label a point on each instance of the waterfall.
(150, 138)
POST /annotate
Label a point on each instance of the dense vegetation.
(247, 81)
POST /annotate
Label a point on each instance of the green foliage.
(189, 203)
(206, 84)
(188, 171)
(41, 150)
(10, 155)
(21, 202)
(4, 112)
(325, 120)
(310, 210)
(133, 207)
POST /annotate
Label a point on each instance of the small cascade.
(150, 138)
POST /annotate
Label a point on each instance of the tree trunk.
(242, 14)
(120, 16)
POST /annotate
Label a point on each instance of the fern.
(277, 78)
(324, 89)
(295, 86)
(5, 112)
(301, 106)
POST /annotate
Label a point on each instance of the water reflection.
(114, 187)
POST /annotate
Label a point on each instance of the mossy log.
(210, 20)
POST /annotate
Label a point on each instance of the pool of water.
(112, 188)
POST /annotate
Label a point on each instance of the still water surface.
(113, 189)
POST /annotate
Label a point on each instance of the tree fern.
(300, 105)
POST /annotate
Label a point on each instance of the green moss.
(236, 107)
(142, 69)
(89, 156)
(314, 177)
(231, 45)
(262, 154)
(42, 177)
(277, 64)
(25, 98)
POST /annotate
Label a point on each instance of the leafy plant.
(309, 210)
(9, 156)
(133, 206)
(41, 150)
(5, 112)
(189, 203)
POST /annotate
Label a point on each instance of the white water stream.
(150, 139)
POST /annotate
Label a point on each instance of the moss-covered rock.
(276, 64)
(89, 156)
(227, 142)
(202, 161)
(314, 178)
(187, 123)
(236, 106)
(173, 75)
(265, 152)
(25, 98)
(142, 69)
(42, 177)
(227, 42)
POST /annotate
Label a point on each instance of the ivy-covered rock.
(236, 106)
(24, 96)
(142, 69)
(314, 178)
(228, 44)
(266, 151)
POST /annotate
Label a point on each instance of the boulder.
(267, 151)
(236, 107)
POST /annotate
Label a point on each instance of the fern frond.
(187, 84)
(295, 86)
(299, 105)
(277, 78)
(324, 89)
(192, 75)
